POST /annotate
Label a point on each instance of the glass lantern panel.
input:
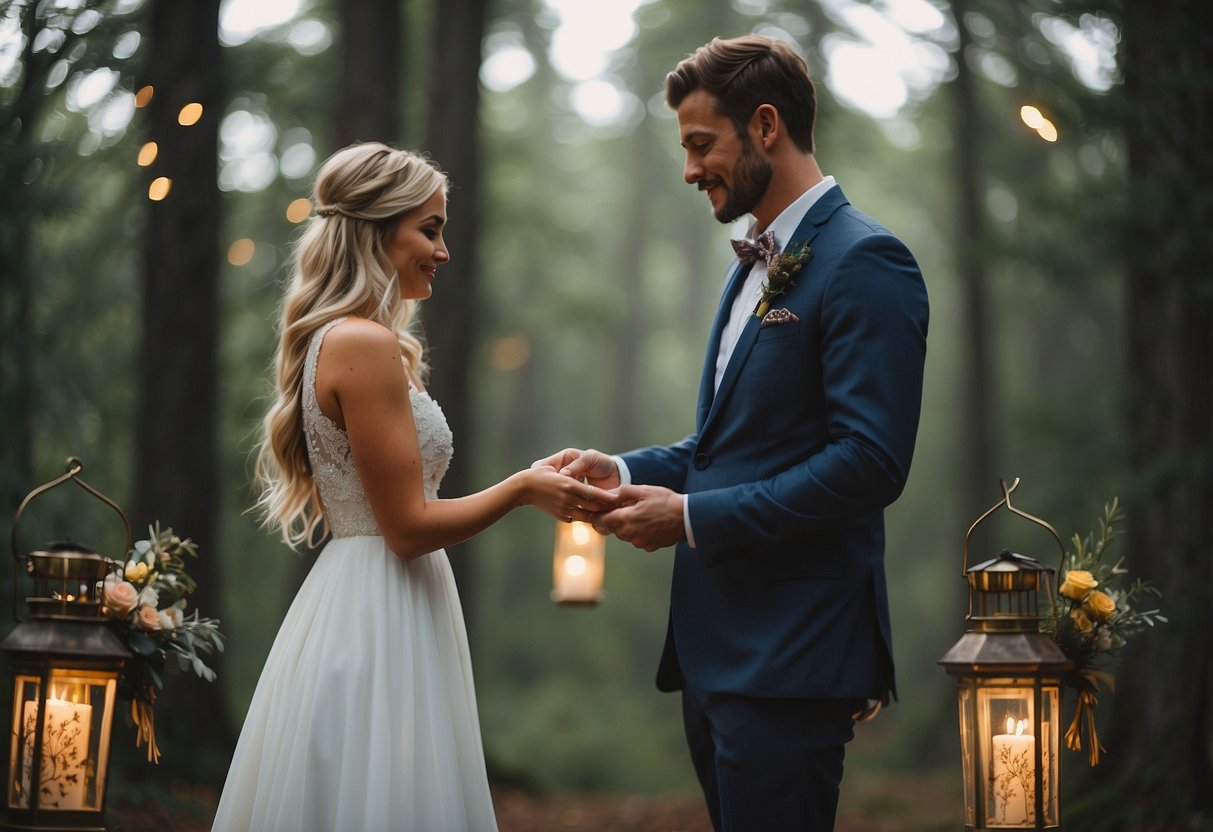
(26, 693)
(1007, 728)
(967, 704)
(1050, 713)
(75, 728)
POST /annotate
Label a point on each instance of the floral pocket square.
(779, 316)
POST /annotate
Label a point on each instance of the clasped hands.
(647, 516)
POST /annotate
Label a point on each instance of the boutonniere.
(781, 273)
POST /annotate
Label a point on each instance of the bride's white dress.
(365, 715)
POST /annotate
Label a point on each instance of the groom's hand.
(650, 517)
(594, 467)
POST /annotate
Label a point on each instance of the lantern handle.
(73, 467)
(1006, 501)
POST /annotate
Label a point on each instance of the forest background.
(1070, 344)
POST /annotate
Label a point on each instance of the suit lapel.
(817, 215)
(708, 379)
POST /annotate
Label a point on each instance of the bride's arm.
(361, 372)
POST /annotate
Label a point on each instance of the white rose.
(149, 597)
(171, 619)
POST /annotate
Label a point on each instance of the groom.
(808, 407)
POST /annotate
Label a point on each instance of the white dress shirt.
(783, 227)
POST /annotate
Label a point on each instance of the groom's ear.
(765, 125)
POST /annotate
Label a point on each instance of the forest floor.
(869, 804)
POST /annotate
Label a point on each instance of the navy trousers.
(768, 765)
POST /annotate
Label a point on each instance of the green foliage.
(1100, 637)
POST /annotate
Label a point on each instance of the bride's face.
(415, 247)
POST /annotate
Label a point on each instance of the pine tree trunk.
(177, 460)
(979, 447)
(452, 138)
(368, 87)
(1161, 731)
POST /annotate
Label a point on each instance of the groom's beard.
(750, 180)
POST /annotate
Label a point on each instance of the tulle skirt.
(364, 717)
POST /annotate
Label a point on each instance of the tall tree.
(17, 123)
(453, 136)
(969, 242)
(1168, 60)
(176, 460)
(369, 79)
(53, 46)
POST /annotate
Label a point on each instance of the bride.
(364, 717)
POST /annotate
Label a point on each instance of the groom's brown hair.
(744, 73)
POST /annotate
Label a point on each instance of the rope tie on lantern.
(145, 723)
(1084, 713)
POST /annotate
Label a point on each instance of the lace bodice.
(328, 451)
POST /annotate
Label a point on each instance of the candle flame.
(1020, 726)
(1010, 725)
(575, 565)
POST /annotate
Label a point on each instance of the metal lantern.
(1009, 682)
(65, 663)
(578, 564)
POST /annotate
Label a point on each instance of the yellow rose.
(1099, 606)
(1081, 622)
(136, 571)
(1077, 584)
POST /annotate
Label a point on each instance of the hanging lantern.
(578, 564)
(1009, 678)
(65, 664)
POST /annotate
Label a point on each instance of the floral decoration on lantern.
(147, 604)
(1092, 618)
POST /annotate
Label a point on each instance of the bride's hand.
(562, 496)
(589, 465)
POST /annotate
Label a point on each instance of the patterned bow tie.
(749, 251)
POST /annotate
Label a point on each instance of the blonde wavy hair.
(340, 268)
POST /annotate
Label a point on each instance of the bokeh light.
(241, 252)
(1035, 119)
(159, 188)
(299, 210)
(189, 114)
(510, 352)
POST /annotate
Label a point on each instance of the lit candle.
(577, 564)
(1014, 777)
(64, 752)
(577, 585)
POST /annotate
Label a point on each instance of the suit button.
(702, 461)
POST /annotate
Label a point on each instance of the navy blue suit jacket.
(789, 470)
